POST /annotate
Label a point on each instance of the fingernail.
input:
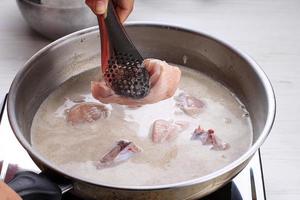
(100, 7)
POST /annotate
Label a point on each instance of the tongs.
(121, 63)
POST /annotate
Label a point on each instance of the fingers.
(7, 193)
(124, 8)
(97, 6)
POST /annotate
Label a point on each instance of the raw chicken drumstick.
(208, 137)
(122, 151)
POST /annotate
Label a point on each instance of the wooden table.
(268, 30)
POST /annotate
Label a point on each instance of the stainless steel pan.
(79, 52)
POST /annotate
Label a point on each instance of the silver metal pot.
(56, 18)
(78, 52)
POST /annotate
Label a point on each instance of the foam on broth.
(76, 148)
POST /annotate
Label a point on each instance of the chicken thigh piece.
(190, 105)
(86, 112)
(163, 130)
(164, 80)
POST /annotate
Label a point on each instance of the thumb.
(97, 6)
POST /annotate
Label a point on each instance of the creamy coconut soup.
(159, 143)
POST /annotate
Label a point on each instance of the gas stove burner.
(228, 192)
(248, 184)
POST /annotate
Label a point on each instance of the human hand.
(123, 7)
(7, 193)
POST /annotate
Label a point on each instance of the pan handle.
(32, 186)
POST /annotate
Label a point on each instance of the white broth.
(76, 148)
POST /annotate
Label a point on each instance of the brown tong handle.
(105, 46)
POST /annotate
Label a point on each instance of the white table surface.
(268, 30)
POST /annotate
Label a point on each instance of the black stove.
(247, 185)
